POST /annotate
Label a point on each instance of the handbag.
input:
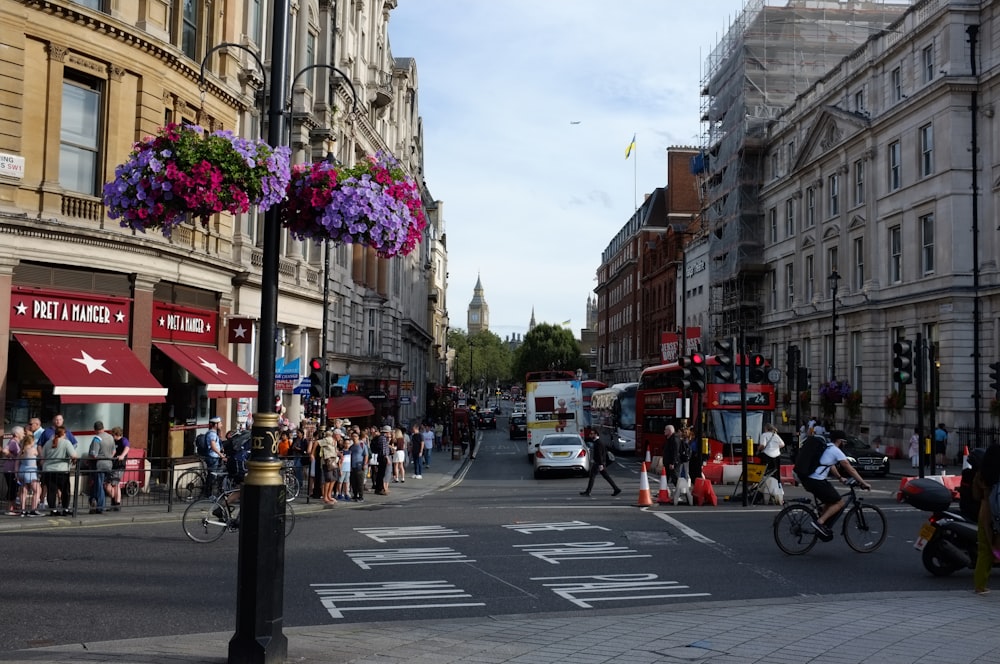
(117, 464)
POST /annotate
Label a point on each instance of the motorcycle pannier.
(926, 495)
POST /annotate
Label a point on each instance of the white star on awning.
(212, 366)
(22, 308)
(240, 332)
(91, 363)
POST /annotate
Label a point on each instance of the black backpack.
(684, 453)
(807, 459)
(201, 444)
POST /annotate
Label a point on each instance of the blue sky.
(530, 198)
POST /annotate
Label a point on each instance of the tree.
(489, 363)
(547, 347)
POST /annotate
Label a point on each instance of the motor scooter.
(948, 541)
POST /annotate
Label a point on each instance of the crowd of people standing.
(37, 463)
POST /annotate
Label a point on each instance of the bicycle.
(207, 519)
(757, 492)
(291, 480)
(191, 484)
(864, 527)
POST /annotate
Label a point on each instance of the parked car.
(562, 452)
(865, 458)
(518, 426)
(487, 419)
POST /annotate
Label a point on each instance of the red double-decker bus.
(660, 401)
(589, 387)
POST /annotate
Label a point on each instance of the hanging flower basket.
(184, 171)
(373, 203)
(853, 403)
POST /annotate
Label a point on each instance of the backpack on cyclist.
(237, 450)
(807, 459)
(201, 444)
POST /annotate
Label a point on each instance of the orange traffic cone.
(645, 499)
(664, 497)
(965, 458)
(649, 459)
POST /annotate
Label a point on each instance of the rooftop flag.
(631, 146)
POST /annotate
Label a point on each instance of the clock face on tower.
(474, 316)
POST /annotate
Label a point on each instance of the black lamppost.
(261, 564)
(834, 280)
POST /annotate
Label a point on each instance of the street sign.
(404, 401)
(303, 387)
(285, 381)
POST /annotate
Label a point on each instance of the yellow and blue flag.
(631, 146)
(567, 323)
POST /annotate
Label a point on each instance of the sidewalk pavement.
(443, 470)
(891, 628)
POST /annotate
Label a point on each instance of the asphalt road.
(497, 542)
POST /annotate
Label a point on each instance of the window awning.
(87, 370)
(223, 378)
(350, 405)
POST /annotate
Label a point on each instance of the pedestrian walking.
(599, 465)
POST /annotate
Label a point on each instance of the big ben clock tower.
(479, 311)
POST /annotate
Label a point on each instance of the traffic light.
(793, 360)
(757, 369)
(725, 356)
(685, 375)
(902, 362)
(803, 381)
(699, 372)
(331, 383)
(995, 378)
(317, 378)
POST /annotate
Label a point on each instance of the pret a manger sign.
(81, 313)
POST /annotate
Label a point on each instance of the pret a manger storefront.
(186, 361)
(69, 354)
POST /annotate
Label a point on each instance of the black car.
(864, 458)
(487, 419)
(518, 426)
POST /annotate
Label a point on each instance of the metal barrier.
(149, 482)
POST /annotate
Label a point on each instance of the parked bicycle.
(864, 527)
(759, 492)
(191, 484)
(208, 519)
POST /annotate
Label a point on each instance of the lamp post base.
(260, 581)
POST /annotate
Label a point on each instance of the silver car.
(562, 452)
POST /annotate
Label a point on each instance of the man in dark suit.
(599, 464)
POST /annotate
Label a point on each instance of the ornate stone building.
(479, 312)
(82, 82)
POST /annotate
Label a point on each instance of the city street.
(493, 542)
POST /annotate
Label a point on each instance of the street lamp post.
(834, 280)
(261, 562)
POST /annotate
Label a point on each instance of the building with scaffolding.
(769, 55)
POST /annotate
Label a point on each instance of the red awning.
(87, 370)
(222, 377)
(350, 405)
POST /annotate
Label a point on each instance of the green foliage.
(490, 358)
(547, 347)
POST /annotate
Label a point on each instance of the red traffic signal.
(315, 364)
(757, 361)
(697, 359)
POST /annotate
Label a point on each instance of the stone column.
(142, 345)
(7, 265)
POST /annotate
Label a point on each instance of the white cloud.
(531, 200)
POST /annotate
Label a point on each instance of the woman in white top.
(769, 447)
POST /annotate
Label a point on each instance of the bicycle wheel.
(190, 485)
(865, 528)
(792, 530)
(291, 485)
(205, 520)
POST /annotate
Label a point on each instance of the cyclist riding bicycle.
(833, 460)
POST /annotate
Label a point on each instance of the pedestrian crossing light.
(317, 378)
(757, 369)
(902, 362)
